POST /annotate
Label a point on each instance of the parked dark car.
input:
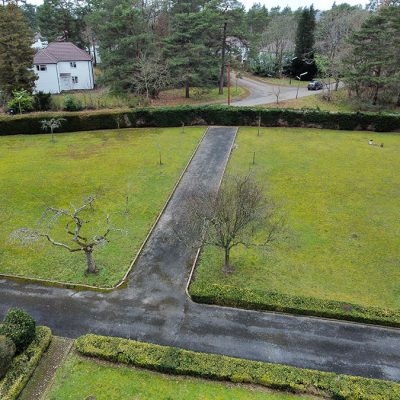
(315, 85)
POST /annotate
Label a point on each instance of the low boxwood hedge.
(184, 362)
(231, 296)
(24, 364)
(201, 115)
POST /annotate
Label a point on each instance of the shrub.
(42, 101)
(7, 351)
(214, 366)
(23, 365)
(72, 104)
(21, 102)
(20, 327)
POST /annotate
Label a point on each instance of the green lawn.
(80, 378)
(198, 95)
(36, 174)
(341, 198)
(339, 102)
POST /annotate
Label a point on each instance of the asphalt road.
(264, 93)
(154, 306)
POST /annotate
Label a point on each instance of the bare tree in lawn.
(76, 221)
(239, 214)
(52, 124)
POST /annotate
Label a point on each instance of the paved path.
(154, 306)
(43, 376)
(264, 93)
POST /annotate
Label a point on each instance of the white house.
(63, 66)
(39, 42)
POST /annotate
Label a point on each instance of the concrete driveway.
(154, 306)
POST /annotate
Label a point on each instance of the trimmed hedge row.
(230, 296)
(23, 365)
(184, 362)
(201, 115)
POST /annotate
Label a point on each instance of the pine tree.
(16, 55)
(373, 70)
(257, 20)
(304, 50)
(63, 19)
(224, 18)
(191, 61)
(124, 35)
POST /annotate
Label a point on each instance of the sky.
(293, 4)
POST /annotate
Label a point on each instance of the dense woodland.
(149, 45)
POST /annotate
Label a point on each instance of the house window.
(41, 67)
(72, 64)
(74, 79)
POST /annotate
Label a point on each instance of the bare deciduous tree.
(332, 34)
(278, 39)
(239, 214)
(75, 222)
(52, 124)
(277, 93)
(151, 76)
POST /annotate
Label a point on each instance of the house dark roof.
(60, 51)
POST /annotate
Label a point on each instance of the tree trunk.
(375, 98)
(223, 50)
(337, 85)
(91, 265)
(187, 89)
(227, 267)
(376, 92)
(94, 53)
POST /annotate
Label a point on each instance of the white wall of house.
(47, 81)
(65, 75)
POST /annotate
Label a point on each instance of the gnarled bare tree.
(151, 76)
(239, 214)
(75, 222)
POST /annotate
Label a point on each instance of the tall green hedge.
(214, 366)
(201, 115)
(231, 296)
